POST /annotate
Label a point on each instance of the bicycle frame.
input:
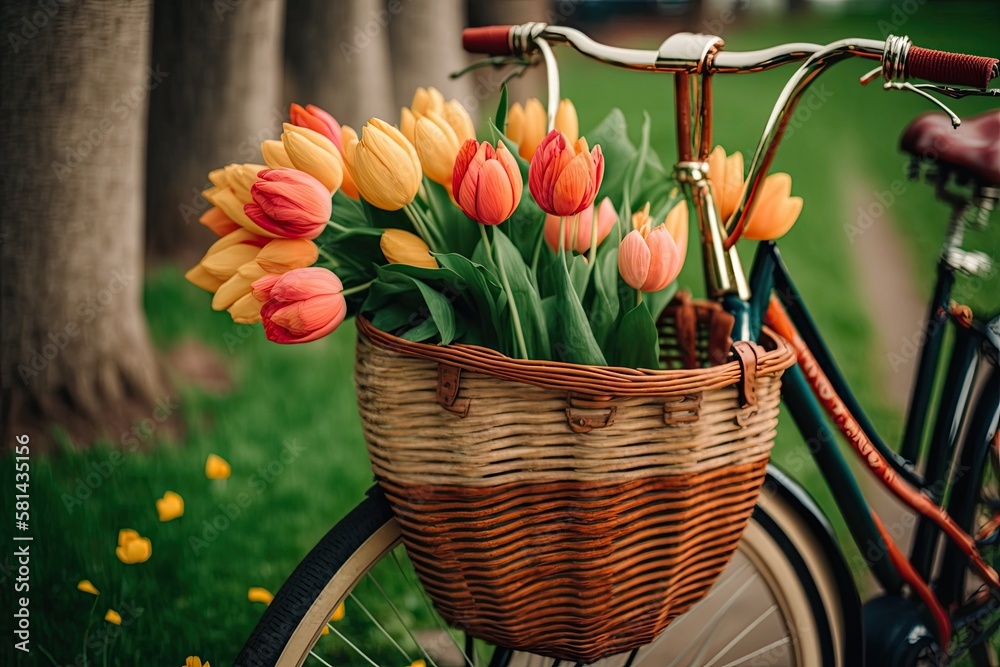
(816, 386)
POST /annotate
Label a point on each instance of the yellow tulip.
(245, 310)
(217, 467)
(241, 177)
(459, 120)
(437, 147)
(642, 221)
(426, 100)
(87, 587)
(314, 154)
(132, 547)
(200, 277)
(527, 126)
(225, 197)
(386, 168)
(257, 594)
(225, 263)
(567, 121)
(402, 247)
(170, 506)
(283, 255)
(194, 661)
(237, 286)
(408, 124)
(113, 617)
(275, 155)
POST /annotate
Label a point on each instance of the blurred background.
(113, 113)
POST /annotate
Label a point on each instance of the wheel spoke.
(747, 630)
(761, 651)
(381, 627)
(349, 643)
(399, 617)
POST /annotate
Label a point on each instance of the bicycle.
(787, 597)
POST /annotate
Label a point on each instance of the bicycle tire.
(295, 618)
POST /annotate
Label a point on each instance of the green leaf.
(636, 342)
(657, 301)
(501, 119)
(604, 305)
(348, 212)
(386, 219)
(579, 274)
(619, 152)
(441, 311)
(458, 232)
(575, 342)
(525, 297)
(423, 331)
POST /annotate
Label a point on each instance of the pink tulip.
(649, 263)
(289, 203)
(317, 120)
(564, 178)
(303, 305)
(578, 229)
(486, 183)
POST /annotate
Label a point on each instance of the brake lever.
(906, 85)
(521, 64)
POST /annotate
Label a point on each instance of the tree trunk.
(223, 98)
(337, 57)
(426, 45)
(75, 348)
(488, 12)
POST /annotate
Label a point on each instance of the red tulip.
(303, 305)
(317, 120)
(289, 203)
(579, 229)
(486, 183)
(564, 178)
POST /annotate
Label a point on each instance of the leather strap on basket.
(584, 415)
(449, 383)
(746, 388)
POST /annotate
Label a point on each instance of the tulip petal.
(494, 196)
(633, 259)
(570, 189)
(664, 264)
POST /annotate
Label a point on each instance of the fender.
(798, 499)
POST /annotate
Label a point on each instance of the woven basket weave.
(571, 511)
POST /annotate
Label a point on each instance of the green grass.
(193, 593)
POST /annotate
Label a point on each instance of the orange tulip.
(526, 126)
(564, 178)
(316, 120)
(282, 255)
(774, 212)
(437, 147)
(303, 305)
(650, 260)
(486, 182)
(402, 247)
(578, 229)
(289, 204)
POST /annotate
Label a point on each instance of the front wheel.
(776, 604)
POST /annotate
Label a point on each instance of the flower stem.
(357, 288)
(510, 294)
(419, 225)
(338, 227)
(638, 297)
(592, 253)
(327, 256)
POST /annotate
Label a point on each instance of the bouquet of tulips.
(429, 232)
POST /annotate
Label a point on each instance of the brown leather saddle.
(973, 148)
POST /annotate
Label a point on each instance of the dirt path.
(895, 309)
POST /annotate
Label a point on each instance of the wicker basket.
(571, 511)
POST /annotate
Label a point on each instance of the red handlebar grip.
(953, 69)
(493, 40)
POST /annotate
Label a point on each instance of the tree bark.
(426, 46)
(75, 348)
(223, 98)
(337, 57)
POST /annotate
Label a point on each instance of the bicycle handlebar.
(676, 55)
